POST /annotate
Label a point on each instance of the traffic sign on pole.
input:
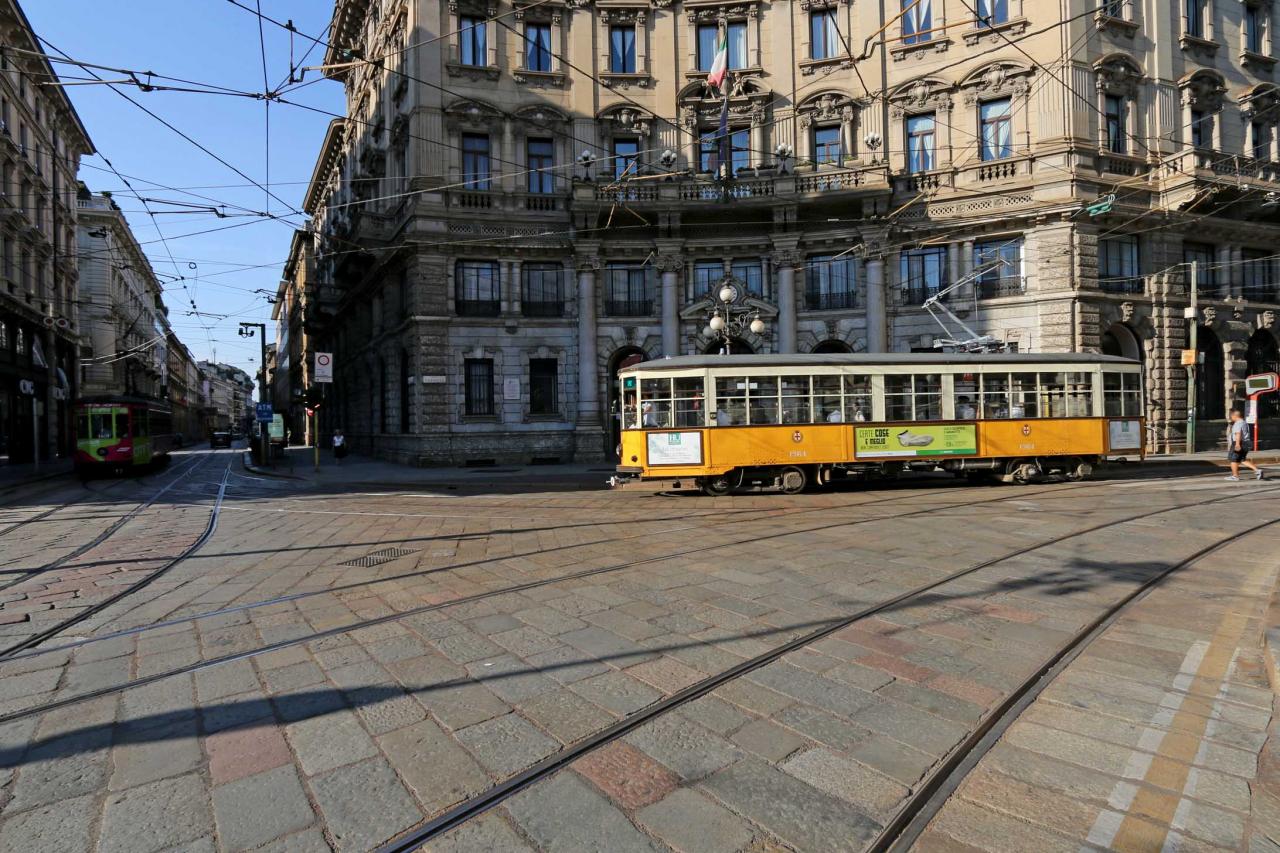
(265, 413)
(324, 367)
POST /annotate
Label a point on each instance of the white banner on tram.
(1124, 435)
(675, 448)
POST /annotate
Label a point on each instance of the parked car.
(220, 439)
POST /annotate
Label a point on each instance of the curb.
(248, 466)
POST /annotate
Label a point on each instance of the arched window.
(1120, 340)
(832, 346)
(734, 346)
(1210, 378)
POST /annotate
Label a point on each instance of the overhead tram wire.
(266, 105)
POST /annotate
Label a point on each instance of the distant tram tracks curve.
(473, 807)
(22, 575)
(585, 573)
(57, 628)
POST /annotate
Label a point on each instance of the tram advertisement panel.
(675, 448)
(916, 440)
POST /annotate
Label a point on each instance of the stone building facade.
(41, 143)
(522, 200)
(228, 392)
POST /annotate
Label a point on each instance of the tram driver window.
(655, 403)
(1122, 394)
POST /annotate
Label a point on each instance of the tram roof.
(688, 362)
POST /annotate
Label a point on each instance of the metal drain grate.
(377, 558)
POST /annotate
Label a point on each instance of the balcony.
(628, 308)
(1262, 292)
(1134, 284)
(998, 288)
(830, 301)
(763, 186)
(497, 199)
(478, 307)
(534, 308)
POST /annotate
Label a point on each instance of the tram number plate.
(916, 440)
(675, 448)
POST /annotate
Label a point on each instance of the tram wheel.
(717, 486)
(793, 480)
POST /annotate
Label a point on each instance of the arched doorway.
(1264, 357)
(832, 346)
(624, 357)
(1119, 339)
(1210, 378)
(736, 346)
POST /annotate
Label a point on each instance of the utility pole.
(247, 331)
(1193, 359)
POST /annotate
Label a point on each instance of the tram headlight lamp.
(716, 324)
(757, 326)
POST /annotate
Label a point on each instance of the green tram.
(119, 434)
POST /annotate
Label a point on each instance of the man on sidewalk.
(1238, 440)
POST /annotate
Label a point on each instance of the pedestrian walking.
(339, 446)
(1238, 439)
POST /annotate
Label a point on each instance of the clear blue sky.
(212, 42)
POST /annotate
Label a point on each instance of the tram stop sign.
(1261, 383)
(264, 413)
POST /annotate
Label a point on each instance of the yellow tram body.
(800, 420)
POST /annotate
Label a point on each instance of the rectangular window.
(923, 273)
(738, 150)
(1004, 278)
(622, 50)
(913, 397)
(826, 145)
(1193, 18)
(751, 274)
(628, 290)
(1201, 129)
(1203, 254)
(708, 42)
(736, 31)
(471, 35)
(540, 291)
(537, 47)
(1258, 274)
(477, 288)
(829, 283)
(478, 378)
(1259, 141)
(1117, 122)
(626, 153)
(996, 129)
(540, 158)
(1118, 265)
(1112, 8)
(1254, 18)
(1122, 395)
(543, 399)
(706, 276)
(920, 146)
(917, 21)
(475, 161)
(992, 12)
(824, 36)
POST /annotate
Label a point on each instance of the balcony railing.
(539, 308)
(1122, 284)
(628, 308)
(916, 295)
(1262, 292)
(478, 307)
(1013, 285)
(815, 301)
(751, 184)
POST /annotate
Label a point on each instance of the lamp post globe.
(757, 326)
(716, 324)
(728, 293)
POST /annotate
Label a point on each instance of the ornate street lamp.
(730, 317)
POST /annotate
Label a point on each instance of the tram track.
(96, 608)
(586, 573)
(479, 804)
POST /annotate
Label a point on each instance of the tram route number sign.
(324, 367)
(916, 440)
(675, 448)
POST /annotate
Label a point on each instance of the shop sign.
(916, 440)
(26, 386)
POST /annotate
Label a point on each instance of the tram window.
(1079, 395)
(1121, 394)
(897, 398)
(689, 401)
(827, 394)
(928, 388)
(966, 392)
(122, 425)
(1022, 395)
(1053, 392)
(82, 427)
(731, 400)
(763, 400)
(795, 399)
(995, 395)
(140, 424)
(655, 403)
(857, 398)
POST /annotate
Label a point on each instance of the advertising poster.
(1124, 435)
(916, 440)
(675, 448)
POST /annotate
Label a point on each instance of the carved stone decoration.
(828, 106)
(1126, 312)
(999, 79)
(1210, 315)
(1261, 104)
(1203, 90)
(1267, 319)
(919, 96)
(1118, 75)
(669, 263)
(587, 263)
(628, 119)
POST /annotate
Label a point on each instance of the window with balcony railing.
(477, 289)
(475, 161)
(923, 272)
(1202, 255)
(920, 142)
(829, 283)
(1117, 121)
(541, 294)
(1258, 275)
(995, 128)
(1118, 265)
(992, 13)
(628, 291)
(1004, 275)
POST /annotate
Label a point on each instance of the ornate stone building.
(523, 199)
(41, 143)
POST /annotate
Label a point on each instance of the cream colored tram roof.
(888, 359)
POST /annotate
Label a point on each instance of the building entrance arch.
(1210, 378)
(832, 346)
(1119, 339)
(619, 408)
(736, 346)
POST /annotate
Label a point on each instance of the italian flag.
(720, 68)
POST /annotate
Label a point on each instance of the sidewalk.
(13, 477)
(299, 464)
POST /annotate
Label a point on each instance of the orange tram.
(797, 421)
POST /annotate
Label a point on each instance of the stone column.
(1236, 271)
(669, 266)
(759, 157)
(966, 268)
(953, 263)
(786, 259)
(513, 287)
(876, 317)
(588, 392)
(508, 156)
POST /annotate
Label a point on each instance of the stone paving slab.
(366, 732)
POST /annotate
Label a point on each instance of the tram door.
(617, 404)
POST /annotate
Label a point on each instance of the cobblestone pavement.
(381, 655)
